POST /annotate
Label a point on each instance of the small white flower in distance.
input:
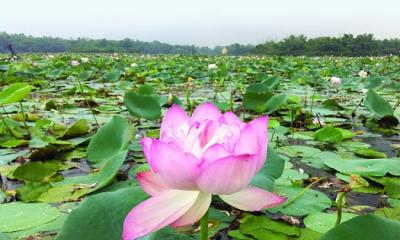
(364, 90)
(212, 66)
(362, 74)
(85, 59)
(133, 65)
(335, 80)
(50, 56)
(318, 121)
(74, 63)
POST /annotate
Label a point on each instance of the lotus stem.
(339, 202)
(187, 94)
(312, 99)
(232, 100)
(301, 193)
(24, 118)
(87, 102)
(6, 125)
(204, 227)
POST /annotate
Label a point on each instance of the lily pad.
(366, 167)
(36, 171)
(19, 216)
(261, 227)
(323, 222)
(329, 134)
(306, 201)
(369, 153)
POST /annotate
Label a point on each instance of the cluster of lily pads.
(71, 124)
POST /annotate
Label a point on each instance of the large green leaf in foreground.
(366, 227)
(101, 217)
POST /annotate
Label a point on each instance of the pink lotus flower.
(74, 63)
(196, 157)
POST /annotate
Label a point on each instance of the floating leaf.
(7, 156)
(168, 234)
(15, 93)
(323, 222)
(366, 167)
(392, 213)
(36, 171)
(52, 226)
(298, 151)
(374, 82)
(79, 128)
(31, 191)
(332, 104)
(261, 227)
(306, 201)
(329, 134)
(18, 216)
(369, 153)
(73, 188)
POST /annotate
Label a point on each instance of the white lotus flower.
(50, 56)
(74, 63)
(335, 80)
(212, 66)
(85, 59)
(362, 74)
(133, 65)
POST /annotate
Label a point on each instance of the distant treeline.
(23, 44)
(347, 45)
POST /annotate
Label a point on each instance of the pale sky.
(203, 23)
